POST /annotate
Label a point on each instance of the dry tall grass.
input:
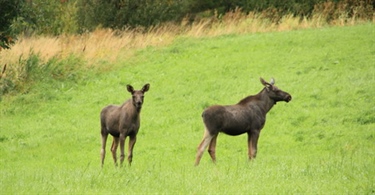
(102, 44)
(111, 45)
(107, 44)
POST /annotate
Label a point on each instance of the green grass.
(322, 142)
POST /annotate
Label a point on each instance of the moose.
(121, 122)
(247, 116)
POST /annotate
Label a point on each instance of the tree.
(119, 14)
(9, 9)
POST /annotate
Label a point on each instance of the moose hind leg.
(212, 148)
(203, 145)
(102, 152)
(132, 141)
(114, 149)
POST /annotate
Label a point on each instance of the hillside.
(321, 142)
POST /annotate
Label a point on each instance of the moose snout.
(288, 98)
(139, 104)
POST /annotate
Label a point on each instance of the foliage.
(294, 6)
(345, 9)
(148, 13)
(9, 10)
(80, 16)
(131, 13)
(32, 70)
(106, 45)
(45, 17)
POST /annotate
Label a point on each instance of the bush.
(9, 11)
(45, 17)
(132, 13)
(61, 17)
(33, 70)
(347, 9)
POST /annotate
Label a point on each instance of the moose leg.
(252, 142)
(102, 152)
(203, 145)
(122, 148)
(114, 149)
(212, 148)
(132, 141)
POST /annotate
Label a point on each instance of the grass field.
(322, 142)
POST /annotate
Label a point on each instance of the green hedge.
(69, 16)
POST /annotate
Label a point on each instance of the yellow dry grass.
(105, 44)
(112, 45)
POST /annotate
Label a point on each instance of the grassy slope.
(323, 141)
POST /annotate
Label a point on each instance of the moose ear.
(145, 88)
(272, 82)
(130, 88)
(263, 81)
(267, 85)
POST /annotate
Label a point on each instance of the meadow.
(322, 142)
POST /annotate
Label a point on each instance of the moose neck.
(134, 113)
(266, 102)
(131, 108)
(136, 109)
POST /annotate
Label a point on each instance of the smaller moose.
(121, 122)
(247, 116)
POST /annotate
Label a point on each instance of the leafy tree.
(45, 17)
(9, 9)
(128, 13)
(41, 16)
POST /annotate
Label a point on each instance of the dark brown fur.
(122, 121)
(247, 116)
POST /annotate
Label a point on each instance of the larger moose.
(247, 116)
(122, 121)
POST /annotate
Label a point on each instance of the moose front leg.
(114, 149)
(122, 148)
(132, 141)
(252, 142)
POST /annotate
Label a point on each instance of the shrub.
(8, 12)
(33, 70)
(132, 13)
(45, 17)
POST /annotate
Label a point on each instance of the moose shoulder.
(247, 116)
